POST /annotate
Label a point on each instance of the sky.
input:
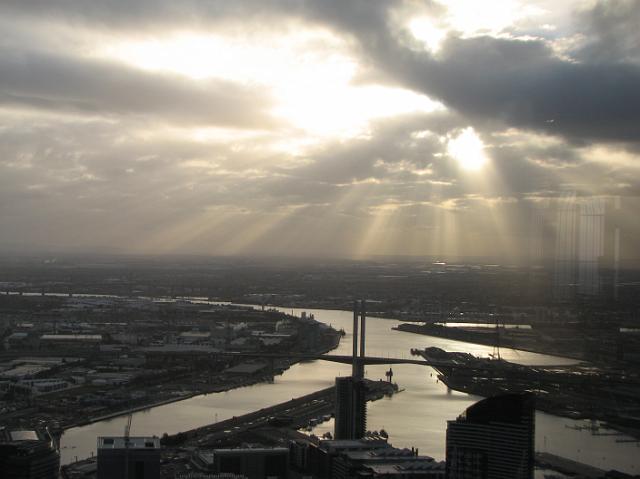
(340, 128)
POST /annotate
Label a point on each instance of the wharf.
(485, 338)
(576, 392)
(294, 414)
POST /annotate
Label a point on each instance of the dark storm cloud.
(505, 81)
(360, 15)
(511, 82)
(520, 83)
(59, 83)
(612, 32)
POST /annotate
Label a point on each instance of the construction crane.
(127, 431)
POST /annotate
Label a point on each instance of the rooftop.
(139, 442)
(24, 436)
(250, 450)
(180, 348)
(71, 337)
(402, 469)
(246, 368)
(23, 370)
(195, 334)
(19, 435)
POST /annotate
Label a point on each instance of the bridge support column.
(355, 363)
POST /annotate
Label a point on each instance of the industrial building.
(70, 341)
(371, 457)
(252, 463)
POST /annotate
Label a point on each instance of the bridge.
(336, 358)
(462, 370)
(357, 359)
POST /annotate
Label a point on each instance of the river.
(415, 417)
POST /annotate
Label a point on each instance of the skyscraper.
(351, 410)
(493, 439)
(584, 237)
(351, 396)
(27, 455)
(590, 246)
(610, 265)
(565, 267)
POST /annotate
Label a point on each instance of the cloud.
(96, 152)
(51, 82)
(611, 31)
(508, 81)
(521, 83)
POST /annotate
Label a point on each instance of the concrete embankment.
(123, 412)
(293, 413)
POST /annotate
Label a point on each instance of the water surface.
(415, 417)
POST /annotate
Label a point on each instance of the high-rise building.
(565, 265)
(351, 408)
(587, 247)
(590, 246)
(351, 394)
(493, 439)
(610, 264)
(27, 455)
(130, 458)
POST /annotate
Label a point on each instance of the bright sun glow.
(308, 73)
(424, 30)
(470, 18)
(467, 149)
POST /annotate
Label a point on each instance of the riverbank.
(482, 338)
(124, 412)
(575, 392)
(271, 426)
(295, 413)
(415, 418)
(334, 342)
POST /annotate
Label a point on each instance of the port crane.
(127, 431)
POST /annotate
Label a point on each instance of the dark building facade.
(27, 455)
(253, 463)
(371, 457)
(138, 458)
(493, 439)
(351, 408)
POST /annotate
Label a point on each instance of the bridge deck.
(336, 358)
